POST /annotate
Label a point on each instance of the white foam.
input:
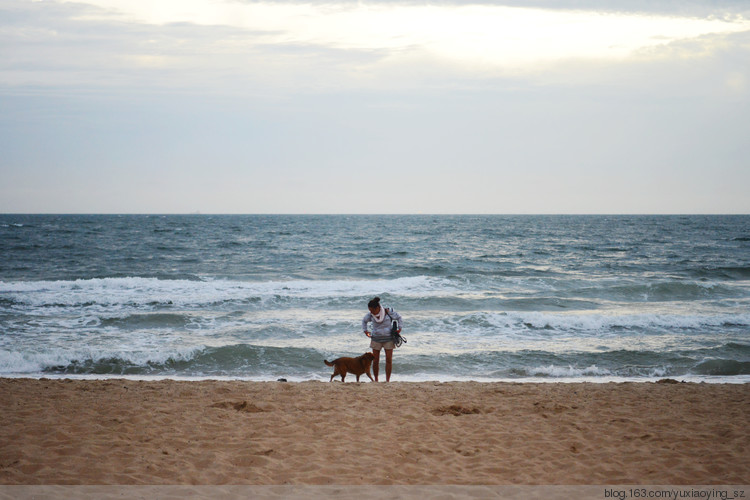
(569, 371)
(16, 362)
(534, 330)
(595, 322)
(13, 362)
(148, 291)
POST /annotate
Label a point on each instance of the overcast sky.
(218, 106)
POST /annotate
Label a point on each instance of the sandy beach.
(314, 433)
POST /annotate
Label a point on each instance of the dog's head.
(368, 356)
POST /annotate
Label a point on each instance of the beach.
(135, 432)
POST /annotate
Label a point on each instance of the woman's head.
(374, 304)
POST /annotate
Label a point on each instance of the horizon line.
(387, 213)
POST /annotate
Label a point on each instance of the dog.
(357, 366)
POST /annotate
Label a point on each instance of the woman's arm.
(365, 320)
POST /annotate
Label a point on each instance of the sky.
(391, 106)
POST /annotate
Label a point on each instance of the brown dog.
(357, 366)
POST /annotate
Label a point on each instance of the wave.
(136, 291)
(731, 273)
(586, 324)
(667, 291)
(231, 360)
(723, 367)
(90, 360)
(148, 321)
(249, 360)
(602, 322)
(121, 293)
(552, 365)
(563, 371)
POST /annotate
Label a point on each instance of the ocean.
(488, 298)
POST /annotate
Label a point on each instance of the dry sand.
(212, 432)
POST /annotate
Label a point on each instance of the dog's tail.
(327, 362)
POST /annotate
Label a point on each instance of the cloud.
(644, 111)
(287, 46)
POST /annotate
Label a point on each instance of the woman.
(381, 319)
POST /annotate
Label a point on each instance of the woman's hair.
(374, 303)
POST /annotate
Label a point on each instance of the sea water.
(262, 297)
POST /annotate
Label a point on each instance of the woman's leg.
(376, 363)
(388, 364)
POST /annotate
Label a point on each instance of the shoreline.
(212, 432)
(687, 379)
